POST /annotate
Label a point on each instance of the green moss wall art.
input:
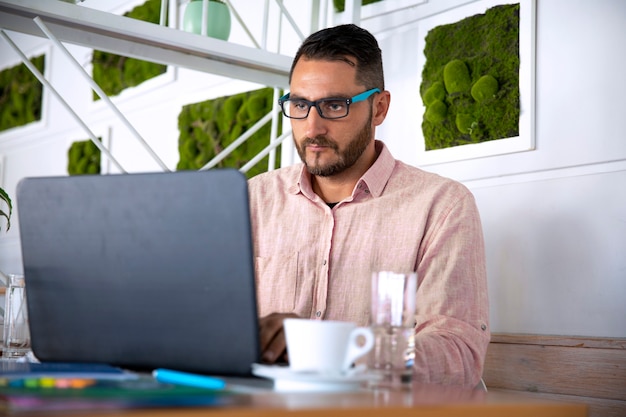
(114, 73)
(470, 80)
(208, 127)
(20, 95)
(83, 158)
(340, 5)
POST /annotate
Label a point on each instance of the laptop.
(141, 271)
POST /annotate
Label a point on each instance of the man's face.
(330, 147)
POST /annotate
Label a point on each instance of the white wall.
(554, 217)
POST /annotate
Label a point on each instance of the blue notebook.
(12, 370)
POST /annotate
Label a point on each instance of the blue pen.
(190, 380)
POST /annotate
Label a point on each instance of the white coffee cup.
(325, 346)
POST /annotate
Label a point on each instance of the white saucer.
(286, 380)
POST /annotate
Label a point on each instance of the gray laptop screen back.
(141, 270)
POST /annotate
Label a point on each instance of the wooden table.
(422, 401)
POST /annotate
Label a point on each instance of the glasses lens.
(333, 108)
(297, 109)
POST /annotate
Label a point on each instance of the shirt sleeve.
(452, 329)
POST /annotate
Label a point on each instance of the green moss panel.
(20, 95)
(83, 157)
(114, 73)
(470, 80)
(208, 127)
(340, 5)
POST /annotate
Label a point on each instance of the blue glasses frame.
(347, 101)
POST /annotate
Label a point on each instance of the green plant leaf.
(6, 214)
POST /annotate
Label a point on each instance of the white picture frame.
(526, 139)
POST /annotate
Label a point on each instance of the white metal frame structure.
(142, 40)
(61, 21)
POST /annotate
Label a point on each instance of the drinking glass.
(393, 324)
(16, 341)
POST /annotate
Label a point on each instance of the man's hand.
(272, 337)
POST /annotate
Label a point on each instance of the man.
(321, 227)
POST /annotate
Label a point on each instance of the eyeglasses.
(328, 108)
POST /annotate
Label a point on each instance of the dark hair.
(342, 43)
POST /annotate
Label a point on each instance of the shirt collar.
(379, 173)
(375, 178)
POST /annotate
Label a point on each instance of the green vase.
(218, 19)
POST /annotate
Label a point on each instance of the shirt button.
(318, 314)
(366, 191)
(324, 262)
(483, 326)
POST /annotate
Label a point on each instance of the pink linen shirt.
(316, 262)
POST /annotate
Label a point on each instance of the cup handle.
(354, 350)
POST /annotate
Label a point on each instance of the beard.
(344, 159)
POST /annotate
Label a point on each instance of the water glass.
(393, 324)
(16, 341)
